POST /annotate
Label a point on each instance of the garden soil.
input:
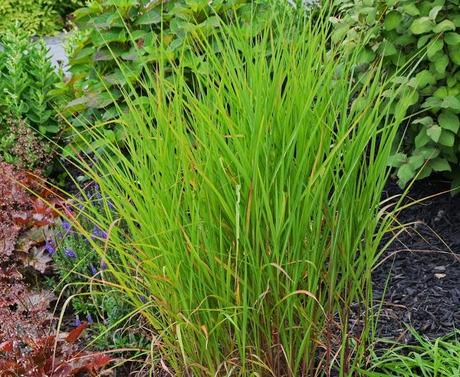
(419, 273)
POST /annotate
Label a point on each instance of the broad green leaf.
(397, 160)
(440, 164)
(447, 138)
(149, 18)
(449, 121)
(452, 39)
(411, 9)
(441, 62)
(425, 78)
(434, 48)
(423, 40)
(405, 174)
(422, 138)
(454, 54)
(434, 132)
(452, 103)
(392, 20)
(428, 152)
(434, 12)
(426, 121)
(416, 161)
(422, 25)
(443, 26)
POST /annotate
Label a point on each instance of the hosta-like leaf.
(452, 39)
(422, 25)
(434, 47)
(443, 26)
(392, 20)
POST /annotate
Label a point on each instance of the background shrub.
(426, 35)
(140, 35)
(36, 17)
(27, 102)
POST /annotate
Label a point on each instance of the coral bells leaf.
(75, 333)
(99, 361)
(6, 346)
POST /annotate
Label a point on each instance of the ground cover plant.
(425, 33)
(246, 204)
(28, 106)
(427, 358)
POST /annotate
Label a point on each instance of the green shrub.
(247, 206)
(424, 34)
(26, 97)
(141, 35)
(36, 17)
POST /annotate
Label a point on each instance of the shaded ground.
(421, 273)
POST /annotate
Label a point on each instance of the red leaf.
(63, 370)
(6, 346)
(99, 361)
(75, 333)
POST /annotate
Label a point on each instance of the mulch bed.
(420, 274)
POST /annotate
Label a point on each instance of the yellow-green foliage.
(39, 17)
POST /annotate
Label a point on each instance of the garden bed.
(420, 275)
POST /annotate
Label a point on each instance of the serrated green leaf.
(428, 152)
(440, 164)
(397, 160)
(416, 161)
(405, 174)
(422, 139)
(434, 132)
(422, 25)
(425, 78)
(447, 138)
(449, 121)
(452, 103)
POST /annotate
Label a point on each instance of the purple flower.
(77, 321)
(89, 318)
(99, 233)
(49, 247)
(143, 299)
(103, 265)
(66, 225)
(70, 253)
(93, 269)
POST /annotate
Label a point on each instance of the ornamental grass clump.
(246, 208)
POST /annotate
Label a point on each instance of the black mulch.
(421, 274)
